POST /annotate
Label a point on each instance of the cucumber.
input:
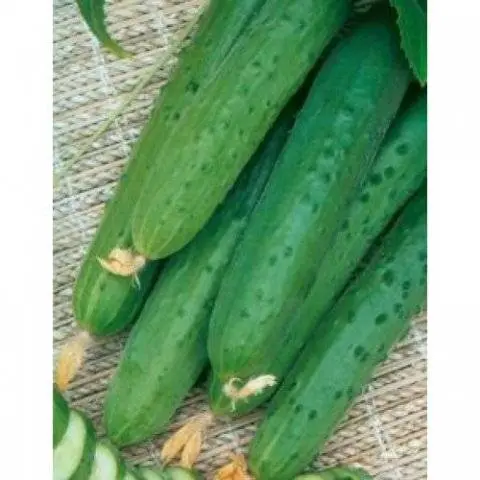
(131, 475)
(73, 456)
(148, 474)
(103, 303)
(397, 172)
(178, 473)
(329, 153)
(61, 414)
(108, 464)
(205, 146)
(337, 473)
(166, 350)
(350, 341)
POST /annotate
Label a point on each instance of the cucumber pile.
(270, 227)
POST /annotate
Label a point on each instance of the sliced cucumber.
(107, 464)
(129, 475)
(178, 473)
(72, 454)
(61, 414)
(149, 474)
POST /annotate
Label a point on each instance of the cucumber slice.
(61, 415)
(129, 475)
(86, 463)
(178, 473)
(149, 474)
(68, 454)
(107, 464)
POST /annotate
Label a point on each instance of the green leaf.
(93, 12)
(412, 22)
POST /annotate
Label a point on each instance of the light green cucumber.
(73, 455)
(166, 350)
(61, 414)
(211, 141)
(340, 358)
(131, 475)
(107, 464)
(103, 303)
(178, 473)
(149, 474)
(337, 473)
(397, 172)
(329, 154)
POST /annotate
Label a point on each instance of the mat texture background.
(385, 431)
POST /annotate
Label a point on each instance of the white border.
(26, 246)
(454, 241)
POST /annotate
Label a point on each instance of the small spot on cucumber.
(365, 197)
(176, 115)
(315, 207)
(358, 351)
(204, 167)
(392, 194)
(375, 179)
(350, 316)
(380, 319)
(350, 393)
(365, 356)
(244, 313)
(209, 268)
(406, 285)
(192, 86)
(402, 149)
(345, 225)
(102, 287)
(381, 348)
(257, 63)
(272, 260)
(389, 172)
(187, 185)
(291, 401)
(181, 312)
(338, 394)
(288, 251)
(327, 177)
(388, 277)
(298, 408)
(251, 109)
(312, 414)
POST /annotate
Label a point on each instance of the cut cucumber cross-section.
(61, 415)
(177, 473)
(129, 475)
(107, 464)
(148, 474)
(68, 454)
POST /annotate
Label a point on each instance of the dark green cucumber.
(329, 153)
(397, 172)
(103, 303)
(61, 414)
(73, 456)
(350, 341)
(337, 473)
(211, 141)
(166, 350)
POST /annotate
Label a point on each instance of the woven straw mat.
(385, 431)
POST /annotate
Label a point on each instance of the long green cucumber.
(202, 155)
(337, 473)
(351, 340)
(105, 303)
(73, 455)
(396, 174)
(166, 350)
(61, 414)
(330, 151)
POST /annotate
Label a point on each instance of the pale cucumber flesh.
(177, 473)
(68, 453)
(105, 466)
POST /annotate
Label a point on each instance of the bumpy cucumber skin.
(397, 172)
(85, 467)
(105, 304)
(343, 352)
(166, 350)
(216, 135)
(61, 414)
(329, 152)
(337, 473)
